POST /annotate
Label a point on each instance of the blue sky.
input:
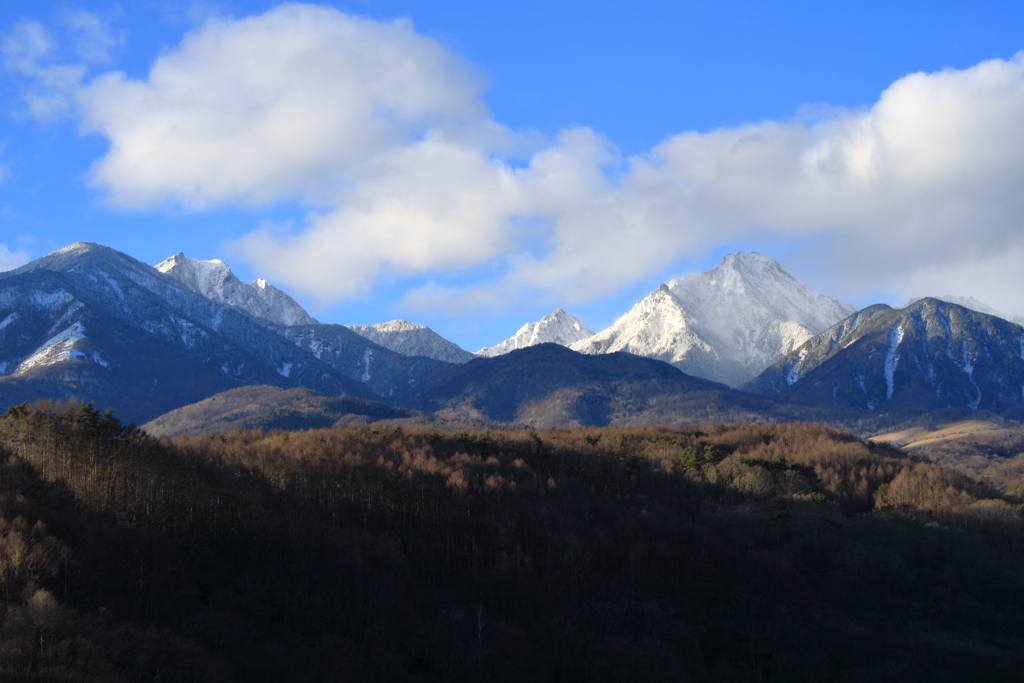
(472, 166)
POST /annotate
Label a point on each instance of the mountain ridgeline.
(91, 323)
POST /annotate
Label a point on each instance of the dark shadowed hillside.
(549, 385)
(753, 552)
(928, 356)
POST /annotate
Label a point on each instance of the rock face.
(559, 327)
(215, 281)
(410, 339)
(929, 355)
(727, 324)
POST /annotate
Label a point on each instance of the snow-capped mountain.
(559, 327)
(92, 323)
(214, 280)
(727, 324)
(410, 339)
(932, 354)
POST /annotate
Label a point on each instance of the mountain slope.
(266, 407)
(390, 375)
(215, 281)
(559, 327)
(727, 324)
(393, 377)
(410, 339)
(930, 355)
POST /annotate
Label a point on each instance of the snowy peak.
(214, 280)
(203, 277)
(660, 327)
(410, 339)
(559, 327)
(727, 324)
(749, 287)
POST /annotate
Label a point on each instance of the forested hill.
(751, 552)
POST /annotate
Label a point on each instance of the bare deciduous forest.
(747, 552)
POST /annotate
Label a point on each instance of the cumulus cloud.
(431, 205)
(383, 135)
(927, 177)
(296, 102)
(917, 191)
(9, 260)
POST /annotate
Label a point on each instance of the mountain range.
(726, 325)
(92, 323)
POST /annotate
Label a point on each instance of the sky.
(472, 166)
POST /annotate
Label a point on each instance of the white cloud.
(9, 260)
(918, 194)
(296, 102)
(383, 134)
(430, 205)
(30, 51)
(996, 280)
(93, 37)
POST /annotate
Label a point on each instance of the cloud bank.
(383, 135)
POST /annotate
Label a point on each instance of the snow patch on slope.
(794, 372)
(56, 349)
(968, 365)
(892, 360)
(367, 357)
(51, 301)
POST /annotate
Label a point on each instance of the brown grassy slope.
(987, 450)
(265, 407)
